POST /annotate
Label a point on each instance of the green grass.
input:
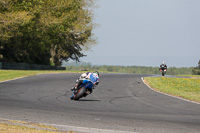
(189, 75)
(187, 88)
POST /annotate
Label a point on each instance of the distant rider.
(87, 75)
(163, 66)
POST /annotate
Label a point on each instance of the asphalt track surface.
(120, 103)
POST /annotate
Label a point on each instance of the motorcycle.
(163, 70)
(83, 90)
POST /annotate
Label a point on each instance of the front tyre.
(163, 73)
(80, 93)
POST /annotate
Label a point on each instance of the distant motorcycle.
(163, 70)
(83, 90)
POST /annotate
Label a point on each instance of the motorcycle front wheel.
(80, 93)
(163, 73)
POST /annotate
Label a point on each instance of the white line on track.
(12, 79)
(75, 128)
(168, 94)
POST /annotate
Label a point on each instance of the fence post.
(0, 65)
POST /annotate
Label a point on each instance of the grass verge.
(187, 88)
(7, 126)
(198, 76)
(12, 74)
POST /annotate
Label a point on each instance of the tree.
(45, 31)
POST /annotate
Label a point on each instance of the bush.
(196, 71)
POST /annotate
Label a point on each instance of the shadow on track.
(87, 100)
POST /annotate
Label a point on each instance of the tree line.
(196, 70)
(131, 69)
(45, 32)
(85, 66)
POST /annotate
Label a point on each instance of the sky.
(146, 33)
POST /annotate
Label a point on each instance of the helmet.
(163, 62)
(83, 75)
(96, 72)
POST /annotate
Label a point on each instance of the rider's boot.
(72, 97)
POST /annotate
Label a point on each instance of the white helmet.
(83, 75)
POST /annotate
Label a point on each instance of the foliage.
(45, 31)
(196, 70)
(182, 87)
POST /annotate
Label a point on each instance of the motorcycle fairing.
(93, 78)
(87, 84)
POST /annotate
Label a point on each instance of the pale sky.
(146, 32)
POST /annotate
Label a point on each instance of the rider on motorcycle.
(163, 66)
(83, 76)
